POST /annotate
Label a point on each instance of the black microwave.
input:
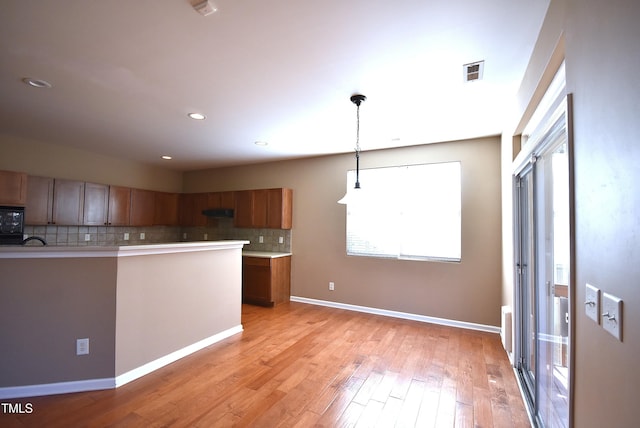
(11, 225)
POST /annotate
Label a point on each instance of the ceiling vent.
(473, 71)
(205, 8)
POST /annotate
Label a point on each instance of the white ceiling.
(126, 73)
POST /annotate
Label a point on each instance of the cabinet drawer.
(256, 261)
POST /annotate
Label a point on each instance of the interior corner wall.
(50, 160)
(468, 291)
(543, 65)
(602, 56)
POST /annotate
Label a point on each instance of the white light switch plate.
(592, 303)
(612, 315)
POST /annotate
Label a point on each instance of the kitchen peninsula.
(140, 307)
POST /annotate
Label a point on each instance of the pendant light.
(357, 99)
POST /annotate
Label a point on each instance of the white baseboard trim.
(57, 388)
(396, 314)
(114, 382)
(174, 356)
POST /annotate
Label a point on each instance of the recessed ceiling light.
(197, 116)
(36, 83)
(166, 157)
(261, 143)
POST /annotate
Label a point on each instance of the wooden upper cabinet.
(96, 204)
(279, 208)
(119, 206)
(221, 200)
(264, 208)
(166, 209)
(143, 204)
(243, 209)
(39, 208)
(68, 202)
(191, 207)
(227, 200)
(13, 188)
(260, 207)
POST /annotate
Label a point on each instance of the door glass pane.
(526, 284)
(552, 238)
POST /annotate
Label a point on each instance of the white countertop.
(264, 254)
(24, 252)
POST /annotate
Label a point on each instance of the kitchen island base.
(141, 307)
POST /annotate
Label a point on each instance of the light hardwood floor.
(299, 365)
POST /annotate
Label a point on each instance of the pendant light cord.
(358, 146)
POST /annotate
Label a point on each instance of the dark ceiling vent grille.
(473, 71)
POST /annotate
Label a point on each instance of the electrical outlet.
(82, 347)
(332, 286)
(612, 315)
(261, 239)
(126, 236)
(281, 240)
(184, 236)
(206, 236)
(592, 303)
(142, 236)
(87, 237)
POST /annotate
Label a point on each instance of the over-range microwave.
(11, 225)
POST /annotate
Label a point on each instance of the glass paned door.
(543, 256)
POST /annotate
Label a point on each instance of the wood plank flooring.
(299, 365)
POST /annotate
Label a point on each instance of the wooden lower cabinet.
(266, 281)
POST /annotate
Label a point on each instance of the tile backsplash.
(224, 230)
(103, 235)
(272, 239)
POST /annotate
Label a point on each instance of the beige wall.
(49, 160)
(602, 55)
(468, 291)
(167, 302)
(45, 305)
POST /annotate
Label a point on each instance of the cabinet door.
(281, 279)
(256, 281)
(191, 207)
(96, 204)
(142, 207)
(119, 206)
(214, 200)
(39, 208)
(227, 200)
(166, 209)
(279, 213)
(260, 204)
(68, 202)
(13, 188)
(243, 209)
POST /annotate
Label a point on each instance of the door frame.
(548, 122)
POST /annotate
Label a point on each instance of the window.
(408, 212)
